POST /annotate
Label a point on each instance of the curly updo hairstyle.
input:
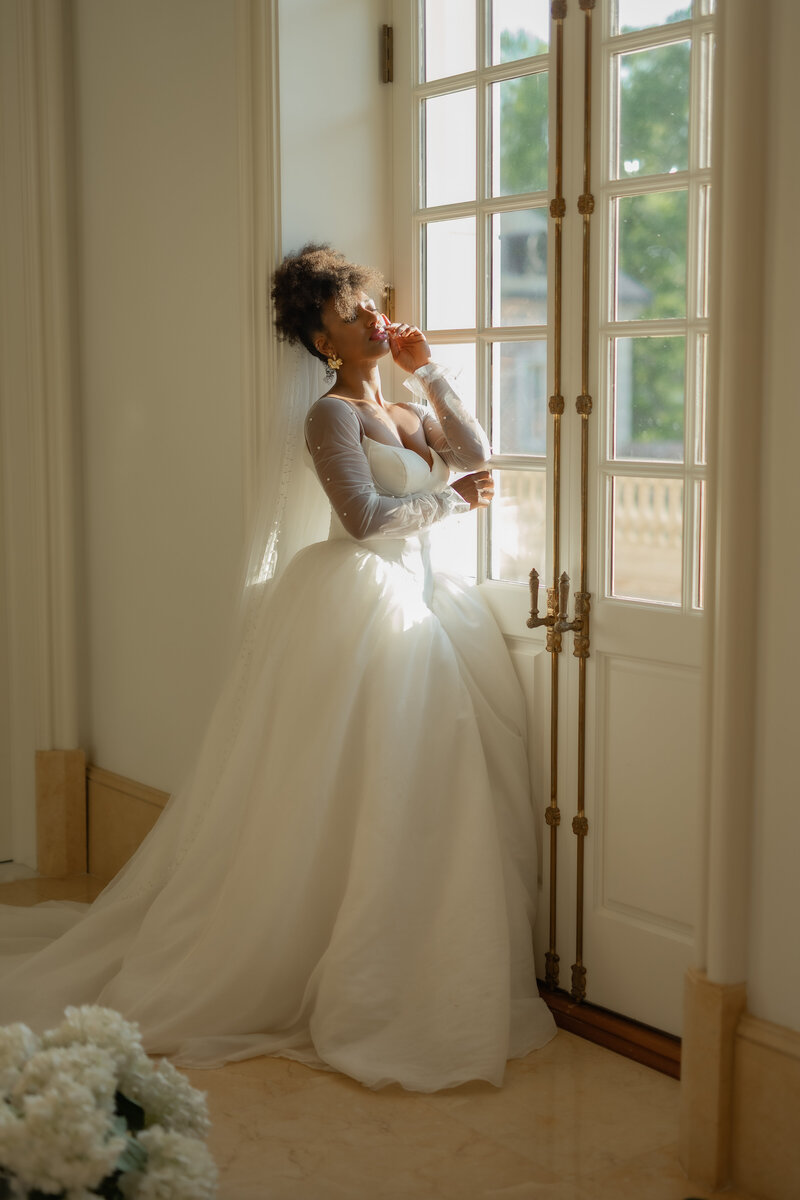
(305, 281)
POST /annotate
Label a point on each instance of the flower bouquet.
(84, 1113)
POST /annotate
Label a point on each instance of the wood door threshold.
(632, 1039)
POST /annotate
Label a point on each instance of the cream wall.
(773, 987)
(160, 361)
(335, 127)
(161, 326)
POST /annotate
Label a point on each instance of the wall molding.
(38, 394)
(735, 374)
(89, 820)
(258, 107)
(61, 813)
(142, 792)
(711, 1017)
(769, 1036)
(765, 1150)
(120, 814)
(740, 1094)
(631, 1039)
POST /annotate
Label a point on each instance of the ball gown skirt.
(348, 877)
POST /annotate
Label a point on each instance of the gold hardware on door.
(583, 406)
(534, 620)
(558, 208)
(556, 620)
(387, 54)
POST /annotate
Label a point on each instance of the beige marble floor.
(12, 870)
(572, 1122)
(32, 889)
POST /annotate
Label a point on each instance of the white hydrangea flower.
(93, 1025)
(17, 1044)
(168, 1099)
(61, 1139)
(178, 1168)
(58, 1129)
(90, 1066)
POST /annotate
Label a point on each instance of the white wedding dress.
(349, 875)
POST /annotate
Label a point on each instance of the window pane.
(519, 267)
(449, 37)
(647, 539)
(649, 388)
(705, 100)
(450, 148)
(701, 376)
(651, 262)
(641, 14)
(519, 397)
(704, 240)
(517, 516)
(450, 274)
(520, 29)
(654, 111)
(519, 135)
(698, 600)
(460, 358)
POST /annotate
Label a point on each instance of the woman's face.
(362, 338)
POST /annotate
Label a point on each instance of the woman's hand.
(477, 489)
(408, 346)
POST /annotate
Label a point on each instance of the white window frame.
(695, 180)
(508, 598)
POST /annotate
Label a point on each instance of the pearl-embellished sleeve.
(449, 429)
(333, 437)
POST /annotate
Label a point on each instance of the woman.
(348, 877)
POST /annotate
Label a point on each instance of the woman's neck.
(358, 383)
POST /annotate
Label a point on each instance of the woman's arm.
(333, 437)
(449, 429)
(452, 432)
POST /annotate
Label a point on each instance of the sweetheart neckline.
(400, 446)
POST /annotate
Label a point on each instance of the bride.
(348, 876)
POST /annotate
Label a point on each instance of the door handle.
(534, 620)
(580, 622)
(557, 618)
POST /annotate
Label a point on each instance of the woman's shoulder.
(333, 408)
(335, 414)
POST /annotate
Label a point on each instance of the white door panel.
(640, 356)
(646, 788)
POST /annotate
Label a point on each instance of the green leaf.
(133, 1157)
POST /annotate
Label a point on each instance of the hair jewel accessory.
(334, 363)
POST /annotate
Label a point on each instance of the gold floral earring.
(334, 363)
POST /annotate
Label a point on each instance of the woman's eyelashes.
(370, 309)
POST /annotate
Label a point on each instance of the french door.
(551, 163)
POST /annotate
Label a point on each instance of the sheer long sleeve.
(333, 437)
(449, 429)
